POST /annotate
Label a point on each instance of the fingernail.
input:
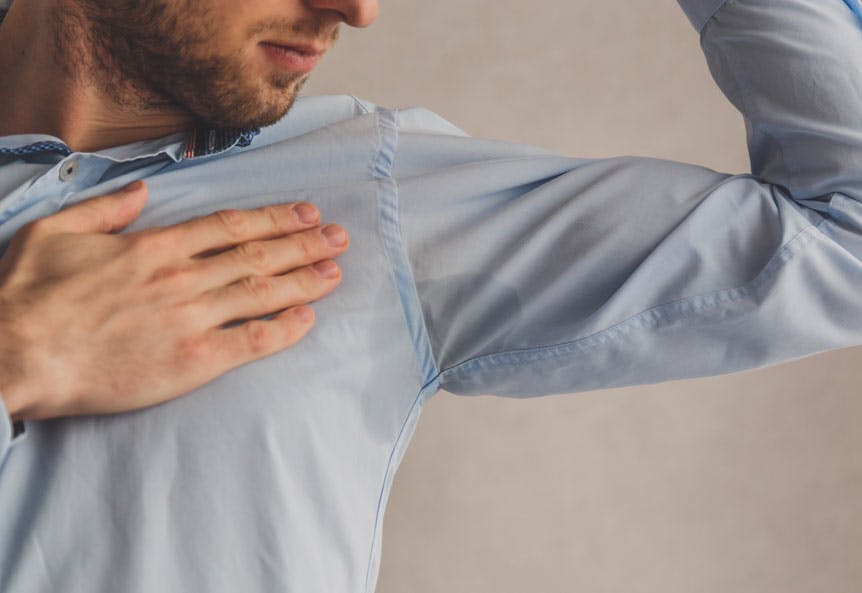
(306, 213)
(335, 235)
(327, 269)
(133, 187)
(304, 313)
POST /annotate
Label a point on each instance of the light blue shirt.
(476, 266)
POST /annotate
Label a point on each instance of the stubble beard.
(154, 56)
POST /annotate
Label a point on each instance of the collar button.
(68, 169)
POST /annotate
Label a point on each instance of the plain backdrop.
(750, 483)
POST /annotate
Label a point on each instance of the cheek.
(251, 62)
(225, 28)
(232, 41)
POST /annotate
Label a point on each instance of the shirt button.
(68, 169)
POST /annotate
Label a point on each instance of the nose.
(356, 13)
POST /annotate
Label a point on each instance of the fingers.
(256, 339)
(105, 214)
(226, 228)
(269, 258)
(255, 296)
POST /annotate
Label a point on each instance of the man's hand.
(93, 322)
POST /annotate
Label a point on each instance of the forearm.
(793, 68)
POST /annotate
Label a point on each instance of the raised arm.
(538, 274)
(794, 71)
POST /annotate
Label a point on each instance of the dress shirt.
(476, 266)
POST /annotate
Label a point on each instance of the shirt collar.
(205, 141)
(200, 142)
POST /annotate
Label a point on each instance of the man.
(475, 266)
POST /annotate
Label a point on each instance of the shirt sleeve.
(539, 274)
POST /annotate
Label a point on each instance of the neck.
(51, 83)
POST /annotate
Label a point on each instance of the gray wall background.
(746, 483)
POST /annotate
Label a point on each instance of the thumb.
(104, 214)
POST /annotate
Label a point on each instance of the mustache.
(305, 28)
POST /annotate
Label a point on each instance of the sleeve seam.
(651, 318)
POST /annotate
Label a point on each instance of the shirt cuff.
(11, 433)
(856, 7)
(700, 11)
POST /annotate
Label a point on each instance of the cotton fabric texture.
(476, 266)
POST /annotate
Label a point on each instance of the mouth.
(294, 57)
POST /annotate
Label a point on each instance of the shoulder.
(312, 113)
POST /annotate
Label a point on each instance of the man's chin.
(284, 94)
(246, 115)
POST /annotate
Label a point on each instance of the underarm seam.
(652, 318)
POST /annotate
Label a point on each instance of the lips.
(294, 57)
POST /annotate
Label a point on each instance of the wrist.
(14, 388)
(16, 406)
(15, 416)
